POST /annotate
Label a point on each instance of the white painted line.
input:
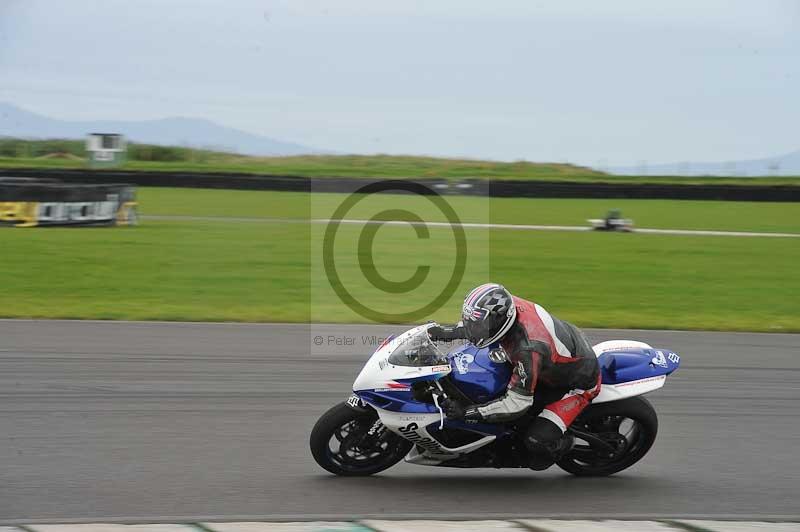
(576, 228)
(422, 525)
(471, 225)
(468, 225)
(110, 527)
(714, 233)
(439, 526)
(311, 526)
(240, 219)
(553, 525)
(743, 526)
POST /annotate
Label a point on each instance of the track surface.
(159, 420)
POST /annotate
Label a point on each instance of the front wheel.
(610, 437)
(351, 443)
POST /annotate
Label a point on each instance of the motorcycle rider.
(552, 362)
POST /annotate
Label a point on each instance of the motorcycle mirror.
(498, 355)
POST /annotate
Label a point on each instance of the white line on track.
(471, 225)
(464, 517)
(714, 233)
(437, 524)
(568, 228)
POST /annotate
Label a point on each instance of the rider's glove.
(454, 410)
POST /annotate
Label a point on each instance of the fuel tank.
(476, 375)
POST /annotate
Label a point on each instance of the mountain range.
(201, 133)
(177, 131)
(782, 165)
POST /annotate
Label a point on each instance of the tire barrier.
(26, 202)
(472, 187)
(552, 189)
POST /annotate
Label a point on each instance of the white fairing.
(619, 345)
(380, 375)
(377, 374)
(615, 392)
(412, 428)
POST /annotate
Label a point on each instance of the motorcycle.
(394, 412)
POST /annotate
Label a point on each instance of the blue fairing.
(478, 377)
(634, 364)
(482, 380)
(397, 401)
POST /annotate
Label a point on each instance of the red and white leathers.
(548, 355)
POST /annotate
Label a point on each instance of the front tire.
(348, 442)
(621, 433)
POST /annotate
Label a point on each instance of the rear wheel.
(351, 443)
(610, 437)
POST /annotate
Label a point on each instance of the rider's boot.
(546, 443)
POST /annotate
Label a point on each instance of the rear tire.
(629, 425)
(354, 451)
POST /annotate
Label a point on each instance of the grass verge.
(661, 214)
(270, 272)
(171, 159)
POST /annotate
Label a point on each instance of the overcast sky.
(611, 82)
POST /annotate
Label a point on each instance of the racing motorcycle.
(395, 412)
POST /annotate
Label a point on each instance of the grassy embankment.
(256, 271)
(16, 153)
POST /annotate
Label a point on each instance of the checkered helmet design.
(488, 314)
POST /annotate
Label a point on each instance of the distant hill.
(781, 165)
(191, 132)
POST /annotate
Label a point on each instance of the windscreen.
(417, 350)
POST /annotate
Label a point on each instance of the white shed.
(106, 149)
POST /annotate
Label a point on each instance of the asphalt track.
(169, 421)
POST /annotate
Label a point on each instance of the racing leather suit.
(553, 361)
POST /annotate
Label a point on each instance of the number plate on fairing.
(355, 401)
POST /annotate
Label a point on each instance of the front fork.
(376, 429)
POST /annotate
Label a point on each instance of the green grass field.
(660, 214)
(255, 271)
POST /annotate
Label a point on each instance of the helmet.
(488, 314)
